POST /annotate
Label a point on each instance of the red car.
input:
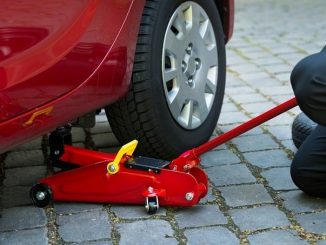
(157, 66)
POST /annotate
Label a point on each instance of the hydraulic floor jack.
(125, 179)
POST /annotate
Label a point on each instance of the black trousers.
(308, 169)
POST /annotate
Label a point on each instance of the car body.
(62, 59)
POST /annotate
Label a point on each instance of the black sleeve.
(308, 80)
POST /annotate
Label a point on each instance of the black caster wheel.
(152, 205)
(41, 195)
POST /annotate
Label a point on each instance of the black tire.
(144, 114)
(301, 128)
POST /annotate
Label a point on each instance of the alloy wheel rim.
(190, 65)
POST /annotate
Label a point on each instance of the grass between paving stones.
(53, 233)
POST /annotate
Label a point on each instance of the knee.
(296, 173)
(304, 179)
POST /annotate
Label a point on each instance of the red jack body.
(120, 178)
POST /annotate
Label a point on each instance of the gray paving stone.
(232, 117)
(18, 218)
(314, 222)
(234, 82)
(85, 226)
(254, 131)
(237, 90)
(284, 49)
(259, 74)
(211, 235)
(24, 237)
(110, 149)
(284, 77)
(281, 132)
(15, 196)
(146, 232)
(100, 128)
(283, 119)
(208, 198)
(134, 212)
(102, 242)
(267, 82)
(79, 144)
(31, 145)
(229, 107)
(217, 158)
(105, 140)
(277, 90)
(258, 108)
(322, 242)
(285, 97)
(279, 179)
(248, 98)
(101, 117)
(266, 159)
(255, 143)
(236, 196)
(78, 134)
(298, 202)
(235, 60)
(244, 68)
(230, 175)
(271, 60)
(276, 237)
(289, 145)
(257, 55)
(278, 68)
(24, 176)
(201, 215)
(259, 218)
(24, 158)
(250, 49)
(72, 208)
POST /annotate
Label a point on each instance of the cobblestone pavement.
(252, 199)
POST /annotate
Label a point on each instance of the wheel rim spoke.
(170, 74)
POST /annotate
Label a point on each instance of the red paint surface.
(73, 55)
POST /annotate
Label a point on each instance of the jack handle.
(128, 149)
(190, 158)
(254, 122)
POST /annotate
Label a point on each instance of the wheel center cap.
(191, 66)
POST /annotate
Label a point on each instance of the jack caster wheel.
(41, 195)
(152, 205)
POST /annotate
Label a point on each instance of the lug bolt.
(111, 168)
(198, 64)
(189, 196)
(189, 49)
(40, 195)
(191, 82)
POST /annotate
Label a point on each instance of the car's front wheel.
(178, 79)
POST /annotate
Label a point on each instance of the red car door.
(48, 48)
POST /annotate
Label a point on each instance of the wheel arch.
(226, 10)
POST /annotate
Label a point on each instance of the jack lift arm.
(125, 179)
